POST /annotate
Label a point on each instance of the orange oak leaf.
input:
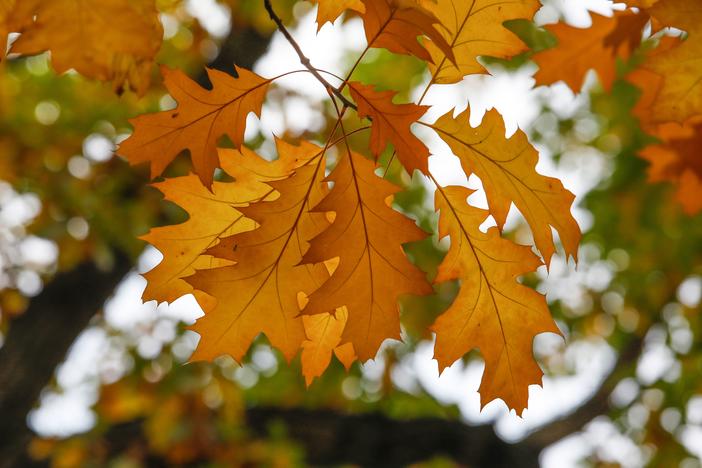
(507, 169)
(8, 23)
(678, 159)
(391, 124)
(493, 311)
(200, 120)
(109, 40)
(259, 294)
(686, 15)
(640, 3)
(472, 29)
(680, 95)
(329, 10)
(323, 333)
(650, 84)
(213, 215)
(367, 236)
(396, 24)
(597, 47)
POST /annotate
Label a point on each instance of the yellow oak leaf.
(367, 236)
(472, 29)
(650, 84)
(686, 15)
(213, 215)
(391, 124)
(323, 333)
(507, 169)
(200, 120)
(259, 294)
(640, 3)
(109, 40)
(678, 159)
(493, 311)
(396, 24)
(680, 96)
(329, 10)
(8, 23)
(582, 49)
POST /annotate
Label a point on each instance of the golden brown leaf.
(367, 236)
(641, 3)
(200, 120)
(472, 29)
(323, 333)
(506, 167)
(680, 95)
(678, 159)
(493, 311)
(396, 25)
(7, 24)
(213, 215)
(259, 294)
(597, 47)
(650, 84)
(109, 40)
(330, 10)
(682, 14)
(391, 124)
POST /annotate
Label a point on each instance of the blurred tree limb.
(38, 340)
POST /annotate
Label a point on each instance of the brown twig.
(303, 58)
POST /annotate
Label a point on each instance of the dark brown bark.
(331, 438)
(38, 342)
(39, 339)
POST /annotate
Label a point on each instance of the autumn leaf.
(473, 29)
(391, 124)
(259, 294)
(12, 18)
(678, 159)
(329, 10)
(200, 120)
(506, 167)
(649, 84)
(680, 95)
(213, 215)
(367, 236)
(686, 15)
(396, 24)
(108, 40)
(641, 3)
(582, 49)
(323, 333)
(493, 311)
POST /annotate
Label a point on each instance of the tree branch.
(332, 438)
(596, 405)
(304, 59)
(38, 341)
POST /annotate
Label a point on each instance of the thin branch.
(303, 58)
(594, 406)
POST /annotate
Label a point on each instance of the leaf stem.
(303, 58)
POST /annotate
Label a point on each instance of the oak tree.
(318, 251)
